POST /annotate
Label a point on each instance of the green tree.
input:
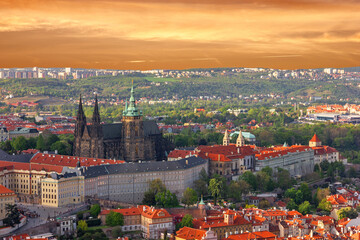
(250, 178)
(216, 185)
(95, 210)
(82, 225)
(190, 197)
(40, 143)
(325, 205)
(299, 197)
(306, 192)
(187, 221)
(155, 186)
(114, 219)
(305, 208)
(283, 179)
(166, 199)
(291, 205)
(201, 187)
(324, 165)
(20, 143)
(268, 171)
(12, 215)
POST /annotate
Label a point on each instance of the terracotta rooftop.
(190, 233)
(315, 138)
(5, 191)
(26, 166)
(126, 211)
(70, 161)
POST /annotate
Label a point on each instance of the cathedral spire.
(96, 114)
(96, 127)
(131, 110)
(80, 120)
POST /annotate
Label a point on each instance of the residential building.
(323, 153)
(154, 222)
(229, 222)
(132, 218)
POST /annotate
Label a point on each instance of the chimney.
(219, 157)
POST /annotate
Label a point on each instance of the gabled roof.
(153, 213)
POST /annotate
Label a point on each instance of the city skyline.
(179, 34)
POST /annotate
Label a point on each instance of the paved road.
(45, 213)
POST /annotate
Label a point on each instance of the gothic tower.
(79, 129)
(133, 138)
(226, 139)
(97, 143)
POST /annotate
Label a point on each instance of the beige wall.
(4, 200)
(62, 192)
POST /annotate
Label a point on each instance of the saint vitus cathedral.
(132, 140)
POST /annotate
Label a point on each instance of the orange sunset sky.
(179, 34)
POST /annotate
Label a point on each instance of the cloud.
(179, 33)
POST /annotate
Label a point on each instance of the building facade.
(6, 197)
(128, 182)
(59, 190)
(298, 160)
(131, 140)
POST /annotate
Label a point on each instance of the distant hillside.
(148, 86)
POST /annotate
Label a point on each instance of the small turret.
(315, 141)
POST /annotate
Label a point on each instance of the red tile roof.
(26, 166)
(126, 211)
(264, 235)
(213, 222)
(180, 153)
(70, 161)
(17, 237)
(153, 213)
(5, 191)
(315, 139)
(190, 233)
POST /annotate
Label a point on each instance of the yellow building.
(60, 190)
(6, 197)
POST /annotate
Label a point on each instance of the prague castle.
(132, 140)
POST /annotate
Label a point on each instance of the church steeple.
(226, 139)
(240, 141)
(80, 120)
(132, 110)
(96, 127)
